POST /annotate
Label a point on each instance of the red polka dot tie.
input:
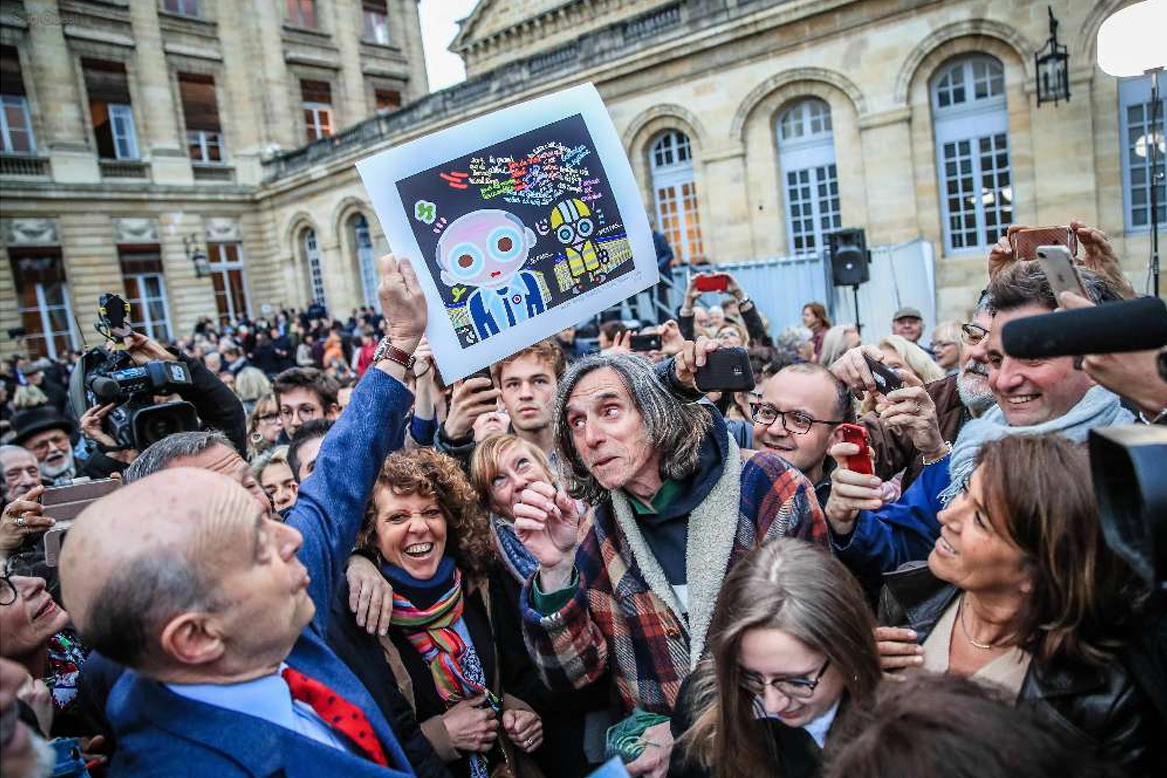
(337, 712)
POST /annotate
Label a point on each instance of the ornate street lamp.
(1053, 67)
(196, 255)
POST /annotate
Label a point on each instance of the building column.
(348, 29)
(725, 229)
(169, 160)
(59, 100)
(886, 141)
(90, 255)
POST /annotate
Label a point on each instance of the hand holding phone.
(861, 462)
(712, 282)
(1026, 242)
(645, 342)
(726, 370)
(886, 379)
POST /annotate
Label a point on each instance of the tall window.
(1134, 97)
(316, 101)
(376, 17)
(227, 276)
(366, 262)
(145, 290)
(182, 7)
(675, 193)
(43, 301)
(387, 99)
(200, 110)
(110, 109)
(315, 266)
(806, 154)
(302, 13)
(15, 122)
(972, 152)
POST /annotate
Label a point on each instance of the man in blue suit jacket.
(186, 578)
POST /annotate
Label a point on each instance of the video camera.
(103, 377)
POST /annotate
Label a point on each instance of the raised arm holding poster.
(528, 220)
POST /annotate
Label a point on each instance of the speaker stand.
(858, 324)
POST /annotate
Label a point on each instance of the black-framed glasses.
(7, 590)
(802, 688)
(972, 334)
(796, 422)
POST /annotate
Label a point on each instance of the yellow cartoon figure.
(572, 222)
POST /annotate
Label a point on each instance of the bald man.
(220, 611)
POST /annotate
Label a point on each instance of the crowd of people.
(354, 567)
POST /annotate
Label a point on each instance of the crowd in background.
(355, 565)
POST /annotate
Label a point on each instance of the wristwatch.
(386, 350)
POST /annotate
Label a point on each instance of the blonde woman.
(263, 425)
(250, 385)
(948, 346)
(899, 353)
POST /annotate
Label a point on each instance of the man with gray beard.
(945, 405)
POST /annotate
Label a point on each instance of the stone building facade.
(755, 127)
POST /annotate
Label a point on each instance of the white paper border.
(381, 172)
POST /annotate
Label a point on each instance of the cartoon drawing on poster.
(518, 227)
(527, 220)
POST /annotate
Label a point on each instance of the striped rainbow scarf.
(431, 631)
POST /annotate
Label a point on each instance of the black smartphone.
(886, 379)
(645, 342)
(726, 370)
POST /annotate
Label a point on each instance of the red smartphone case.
(861, 462)
(715, 282)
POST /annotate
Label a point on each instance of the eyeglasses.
(801, 688)
(7, 590)
(796, 422)
(972, 334)
(269, 418)
(936, 345)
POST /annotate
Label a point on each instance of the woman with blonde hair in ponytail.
(791, 647)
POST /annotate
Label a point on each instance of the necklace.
(968, 635)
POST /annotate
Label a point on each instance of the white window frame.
(809, 155)
(375, 27)
(125, 140)
(315, 265)
(151, 326)
(48, 334)
(317, 109)
(669, 176)
(205, 140)
(1132, 92)
(972, 120)
(6, 102)
(366, 259)
(221, 264)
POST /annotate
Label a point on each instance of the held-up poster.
(519, 223)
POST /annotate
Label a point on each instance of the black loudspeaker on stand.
(849, 263)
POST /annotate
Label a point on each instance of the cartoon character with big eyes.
(487, 249)
(572, 223)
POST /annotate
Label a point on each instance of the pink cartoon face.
(484, 248)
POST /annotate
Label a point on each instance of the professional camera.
(102, 377)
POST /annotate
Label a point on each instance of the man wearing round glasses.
(797, 417)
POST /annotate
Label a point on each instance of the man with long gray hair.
(676, 504)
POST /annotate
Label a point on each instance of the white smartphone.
(1059, 268)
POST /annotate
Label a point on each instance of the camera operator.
(215, 404)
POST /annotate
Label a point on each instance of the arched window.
(806, 154)
(972, 151)
(363, 246)
(675, 193)
(1134, 97)
(315, 266)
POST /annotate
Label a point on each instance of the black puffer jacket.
(1102, 706)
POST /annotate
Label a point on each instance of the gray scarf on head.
(1099, 407)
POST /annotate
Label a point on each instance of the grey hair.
(673, 428)
(8, 448)
(180, 445)
(793, 336)
(128, 612)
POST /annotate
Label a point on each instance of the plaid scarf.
(454, 664)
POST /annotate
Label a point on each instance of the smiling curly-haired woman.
(429, 536)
